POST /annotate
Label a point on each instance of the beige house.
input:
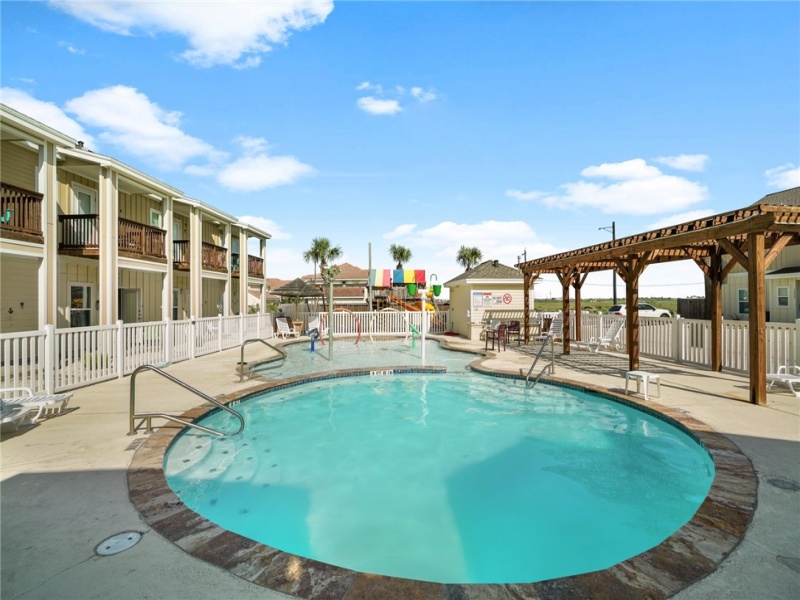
(87, 240)
(489, 290)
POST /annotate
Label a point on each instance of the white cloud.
(783, 177)
(268, 225)
(252, 144)
(366, 85)
(692, 215)
(636, 168)
(399, 231)
(261, 171)
(46, 112)
(638, 189)
(524, 196)
(133, 122)
(218, 33)
(376, 106)
(436, 247)
(424, 96)
(685, 162)
(71, 49)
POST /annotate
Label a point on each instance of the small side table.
(644, 378)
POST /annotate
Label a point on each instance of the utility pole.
(613, 230)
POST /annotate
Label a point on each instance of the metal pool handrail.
(149, 416)
(280, 351)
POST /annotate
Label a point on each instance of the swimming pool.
(367, 353)
(448, 478)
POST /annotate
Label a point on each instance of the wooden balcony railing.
(180, 254)
(255, 266)
(142, 240)
(215, 257)
(80, 232)
(21, 212)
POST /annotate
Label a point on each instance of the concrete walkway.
(63, 484)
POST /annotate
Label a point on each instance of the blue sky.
(519, 126)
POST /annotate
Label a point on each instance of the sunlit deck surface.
(65, 488)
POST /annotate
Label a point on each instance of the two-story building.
(88, 240)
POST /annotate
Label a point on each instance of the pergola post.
(527, 283)
(630, 270)
(577, 283)
(715, 279)
(756, 297)
(565, 277)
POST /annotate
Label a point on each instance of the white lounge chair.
(556, 330)
(12, 417)
(788, 375)
(284, 329)
(43, 404)
(609, 338)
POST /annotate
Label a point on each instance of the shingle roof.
(790, 197)
(490, 269)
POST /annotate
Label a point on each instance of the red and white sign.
(506, 298)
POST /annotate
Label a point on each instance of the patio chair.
(514, 331)
(556, 330)
(499, 335)
(609, 338)
(284, 329)
(12, 417)
(788, 375)
(43, 404)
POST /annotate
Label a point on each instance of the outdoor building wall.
(180, 282)
(18, 166)
(212, 297)
(19, 285)
(459, 305)
(136, 207)
(150, 286)
(213, 234)
(75, 271)
(65, 191)
(777, 313)
(506, 301)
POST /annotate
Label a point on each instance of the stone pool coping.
(691, 553)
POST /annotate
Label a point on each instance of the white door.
(129, 306)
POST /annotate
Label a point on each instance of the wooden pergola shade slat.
(751, 237)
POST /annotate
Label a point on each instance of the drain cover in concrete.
(118, 543)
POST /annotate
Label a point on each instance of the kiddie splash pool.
(445, 478)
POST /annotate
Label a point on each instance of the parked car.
(645, 310)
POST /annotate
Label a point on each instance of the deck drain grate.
(118, 543)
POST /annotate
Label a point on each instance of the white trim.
(215, 275)
(155, 211)
(92, 292)
(74, 188)
(134, 264)
(40, 247)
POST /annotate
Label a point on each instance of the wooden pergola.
(751, 237)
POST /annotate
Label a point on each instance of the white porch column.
(47, 185)
(263, 307)
(196, 262)
(226, 295)
(167, 281)
(108, 272)
(244, 272)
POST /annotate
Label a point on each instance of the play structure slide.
(413, 305)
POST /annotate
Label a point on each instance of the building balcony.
(80, 236)
(21, 214)
(180, 255)
(255, 266)
(215, 258)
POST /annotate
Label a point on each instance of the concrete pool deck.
(64, 484)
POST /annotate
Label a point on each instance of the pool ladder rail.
(549, 368)
(148, 417)
(262, 366)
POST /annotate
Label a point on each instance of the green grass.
(602, 305)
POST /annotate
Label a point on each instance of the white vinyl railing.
(689, 340)
(61, 359)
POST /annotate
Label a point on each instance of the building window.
(744, 304)
(84, 200)
(80, 305)
(155, 217)
(176, 298)
(783, 295)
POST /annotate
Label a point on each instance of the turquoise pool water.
(347, 355)
(446, 478)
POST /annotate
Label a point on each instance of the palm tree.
(468, 257)
(321, 252)
(400, 254)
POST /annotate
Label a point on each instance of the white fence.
(61, 359)
(689, 340)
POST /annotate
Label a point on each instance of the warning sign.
(506, 298)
